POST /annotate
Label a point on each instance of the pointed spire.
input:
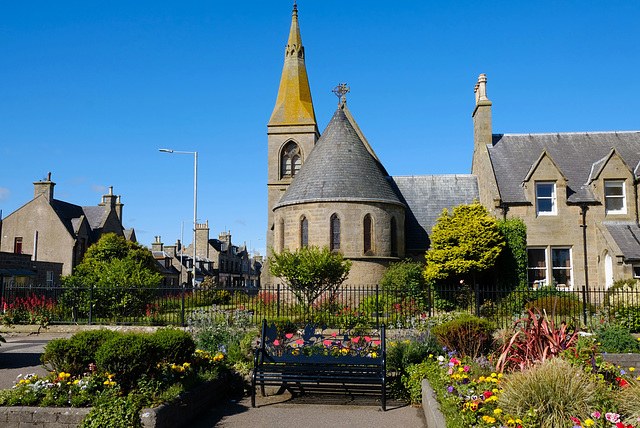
(294, 105)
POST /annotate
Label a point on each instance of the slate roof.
(426, 196)
(627, 237)
(339, 168)
(576, 154)
(71, 216)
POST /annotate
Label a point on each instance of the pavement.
(20, 355)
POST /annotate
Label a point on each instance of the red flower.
(487, 394)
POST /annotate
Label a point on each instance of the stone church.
(332, 190)
(577, 192)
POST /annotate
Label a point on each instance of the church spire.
(294, 105)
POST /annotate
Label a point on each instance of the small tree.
(464, 243)
(310, 271)
(123, 274)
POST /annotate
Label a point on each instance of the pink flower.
(289, 335)
(596, 415)
(334, 334)
(276, 342)
(450, 371)
(466, 368)
(356, 339)
(327, 343)
(612, 417)
(376, 342)
(300, 341)
(367, 338)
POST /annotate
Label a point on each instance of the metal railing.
(349, 306)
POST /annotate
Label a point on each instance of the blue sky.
(91, 90)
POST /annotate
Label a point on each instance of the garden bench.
(312, 361)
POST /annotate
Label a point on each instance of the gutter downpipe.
(584, 208)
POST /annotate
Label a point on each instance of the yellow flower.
(589, 422)
(430, 355)
(497, 411)
(493, 375)
(631, 369)
(186, 365)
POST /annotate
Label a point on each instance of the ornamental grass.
(555, 390)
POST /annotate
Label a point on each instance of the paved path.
(21, 355)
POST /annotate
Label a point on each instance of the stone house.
(19, 270)
(576, 192)
(55, 231)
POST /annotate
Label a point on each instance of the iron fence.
(350, 306)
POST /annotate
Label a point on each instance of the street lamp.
(195, 204)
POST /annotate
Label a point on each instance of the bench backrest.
(313, 346)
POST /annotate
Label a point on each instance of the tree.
(310, 271)
(123, 276)
(512, 265)
(464, 243)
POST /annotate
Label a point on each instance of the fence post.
(278, 300)
(377, 308)
(477, 287)
(90, 302)
(182, 311)
(584, 304)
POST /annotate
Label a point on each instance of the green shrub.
(554, 390)
(174, 346)
(628, 317)
(467, 335)
(128, 357)
(616, 339)
(560, 305)
(87, 343)
(402, 354)
(412, 381)
(59, 356)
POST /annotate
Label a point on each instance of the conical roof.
(339, 168)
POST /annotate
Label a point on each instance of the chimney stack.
(44, 188)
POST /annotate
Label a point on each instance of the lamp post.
(195, 204)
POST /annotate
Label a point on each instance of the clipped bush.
(616, 339)
(128, 357)
(59, 356)
(87, 343)
(468, 335)
(555, 391)
(560, 305)
(174, 346)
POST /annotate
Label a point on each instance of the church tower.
(292, 130)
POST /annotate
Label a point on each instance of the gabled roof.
(627, 237)
(426, 196)
(339, 168)
(512, 156)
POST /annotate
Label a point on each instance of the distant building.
(59, 232)
(230, 265)
(19, 270)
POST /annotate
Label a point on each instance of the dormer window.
(614, 197)
(546, 198)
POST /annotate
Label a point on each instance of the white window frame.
(545, 268)
(636, 271)
(570, 267)
(552, 198)
(623, 196)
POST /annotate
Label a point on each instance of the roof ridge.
(566, 133)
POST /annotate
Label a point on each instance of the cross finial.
(340, 91)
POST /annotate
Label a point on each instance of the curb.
(431, 408)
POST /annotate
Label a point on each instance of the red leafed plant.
(536, 339)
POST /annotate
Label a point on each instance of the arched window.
(304, 232)
(394, 238)
(368, 234)
(290, 160)
(335, 233)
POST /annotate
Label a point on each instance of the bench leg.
(253, 390)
